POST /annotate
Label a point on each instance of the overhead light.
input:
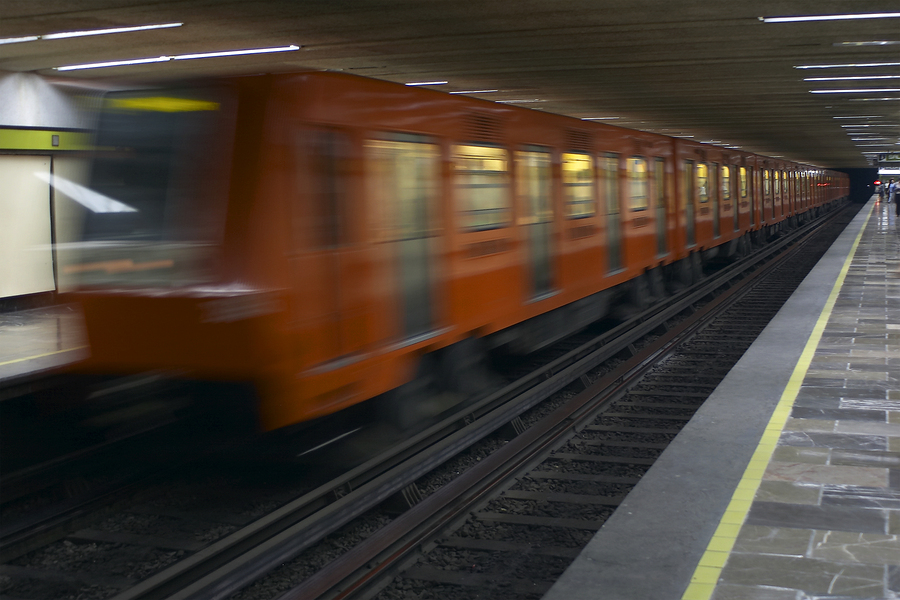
(87, 32)
(801, 18)
(861, 117)
(474, 91)
(869, 43)
(235, 52)
(158, 59)
(414, 83)
(600, 118)
(848, 65)
(883, 99)
(16, 40)
(851, 77)
(522, 101)
(856, 91)
(863, 125)
(869, 139)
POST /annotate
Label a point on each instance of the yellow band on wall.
(708, 570)
(43, 139)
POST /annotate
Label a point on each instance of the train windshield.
(154, 207)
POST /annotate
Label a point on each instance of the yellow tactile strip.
(708, 570)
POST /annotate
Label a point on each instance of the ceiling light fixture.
(882, 99)
(88, 32)
(848, 65)
(856, 91)
(869, 43)
(523, 101)
(845, 17)
(851, 77)
(600, 118)
(158, 59)
(415, 83)
(861, 117)
(475, 91)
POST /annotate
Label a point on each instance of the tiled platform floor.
(825, 521)
(32, 341)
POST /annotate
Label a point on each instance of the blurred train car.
(330, 239)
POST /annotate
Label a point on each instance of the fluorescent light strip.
(801, 18)
(474, 91)
(851, 78)
(863, 125)
(17, 40)
(415, 83)
(600, 118)
(861, 117)
(70, 34)
(870, 43)
(848, 65)
(872, 99)
(856, 91)
(158, 59)
(88, 32)
(235, 52)
(523, 101)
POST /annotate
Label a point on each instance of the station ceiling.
(708, 69)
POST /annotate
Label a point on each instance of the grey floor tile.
(836, 518)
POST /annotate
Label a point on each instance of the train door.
(403, 179)
(776, 188)
(747, 192)
(727, 196)
(536, 205)
(714, 199)
(322, 230)
(659, 195)
(689, 216)
(767, 207)
(609, 173)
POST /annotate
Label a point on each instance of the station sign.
(888, 158)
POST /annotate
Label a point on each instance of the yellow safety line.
(9, 362)
(708, 570)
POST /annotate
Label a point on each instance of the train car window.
(403, 177)
(326, 180)
(155, 198)
(726, 184)
(578, 185)
(481, 177)
(659, 194)
(638, 183)
(534, 187)
(777, 182)
(609, 173)
(689, 202)
(702, 182)
(744, 182)
(767, 183)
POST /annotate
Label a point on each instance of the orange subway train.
(326, 239)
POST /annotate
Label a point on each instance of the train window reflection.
(638, 184)
(482, 186)
(578, 185)
(742, 174)
(767, 183)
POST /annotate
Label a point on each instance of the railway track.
(537, 459)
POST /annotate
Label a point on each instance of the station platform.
(786, 483)
(36, 341)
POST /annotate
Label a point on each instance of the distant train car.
(331, 239)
